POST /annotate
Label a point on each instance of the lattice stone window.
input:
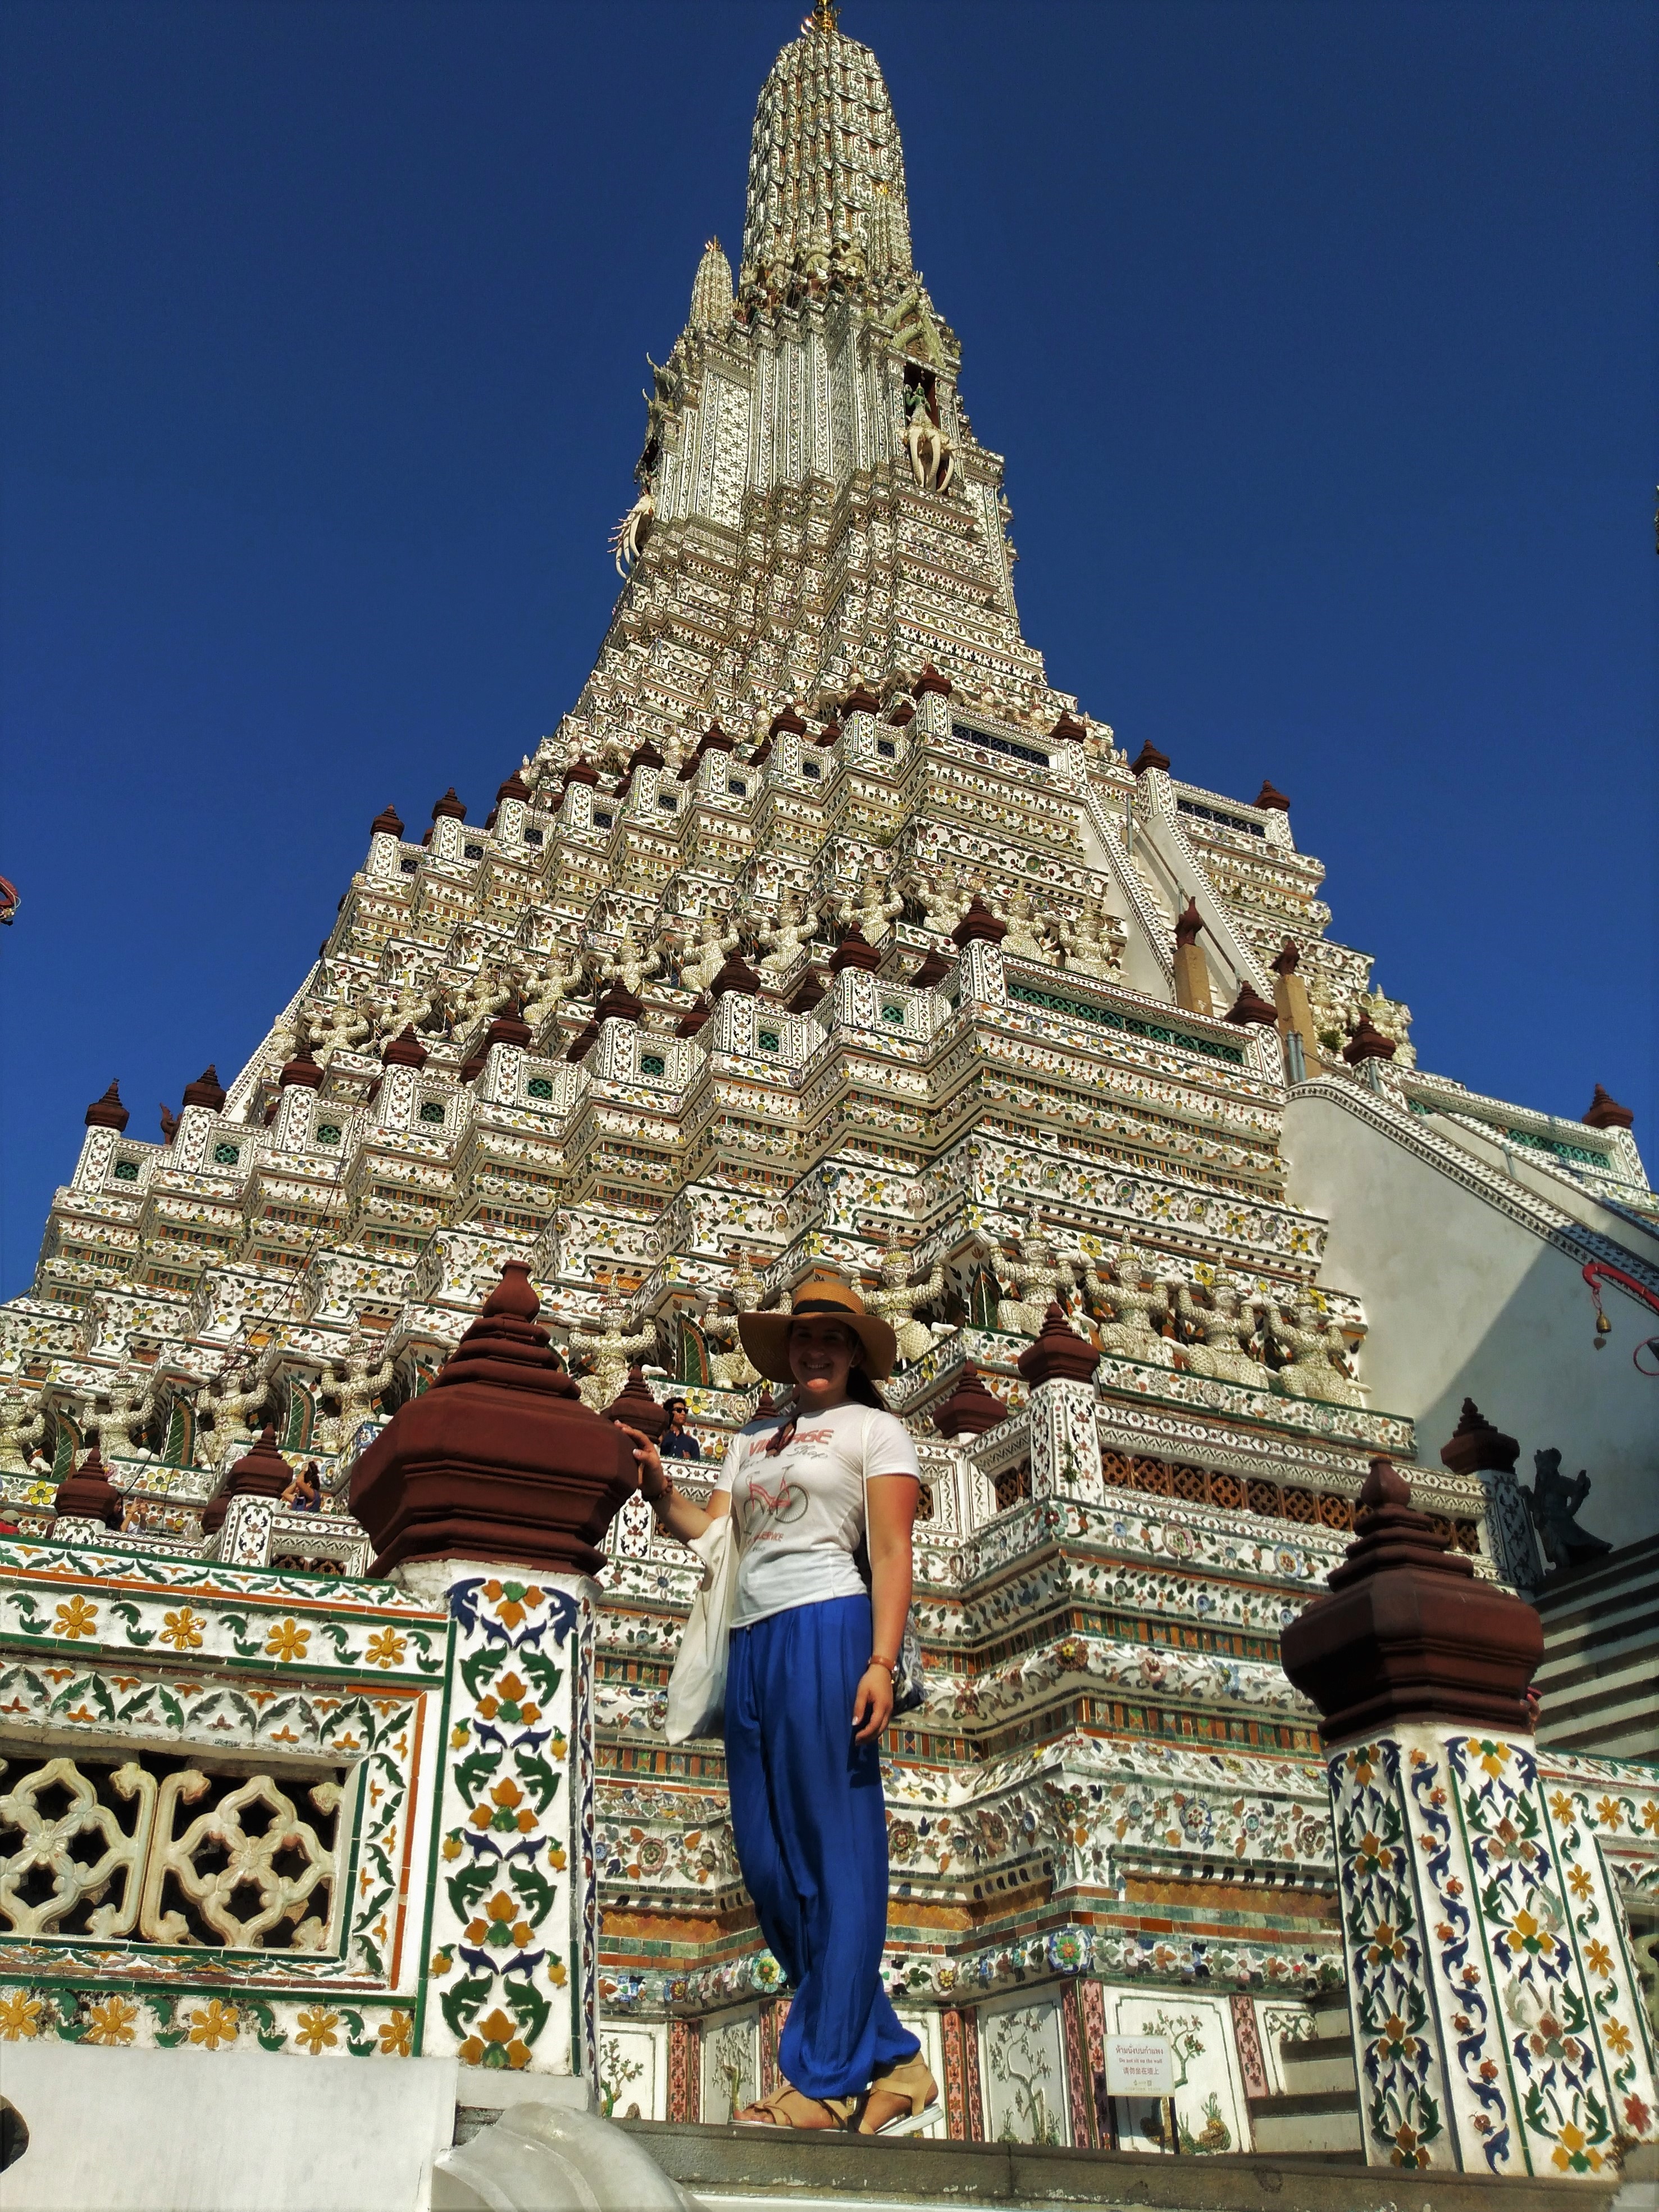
(768, 1041)
(432, 1110)
(812, 771)
(736, 787)
(472, 852)
(328, 1132)
(893, 1016)
(532, 836)
(1013, 1484)
(603, 821)
(226, 1156)
(126, 1171)
(409, 864)
(159, 1848)
(887, 748)
(652, 1063)
(664, 800)
(539, 1086)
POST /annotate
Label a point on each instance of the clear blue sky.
(1319, 338)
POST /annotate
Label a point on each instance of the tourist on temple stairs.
(809, 1689)
(677, 1441)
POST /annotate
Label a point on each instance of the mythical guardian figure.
(783, 944)
(932, 461)
(357, 1378)
(731, 1371)
(898, 1298)
(630, 964)
(1229, 1325)
(1027, 938)
(1317, 1366)
(700, 966)
(1553, 1503)
(873, 906)
(1041, 1276)
(627, 538)
(22, 1425)
(612, 1349)
(1093, 943)
(1136, 1304)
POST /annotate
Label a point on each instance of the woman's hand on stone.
(872, 1704)
(653, 1476)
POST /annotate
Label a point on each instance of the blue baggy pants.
(811, 1829)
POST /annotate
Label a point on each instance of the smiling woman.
(806, 1487)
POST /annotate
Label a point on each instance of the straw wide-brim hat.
(766, 1335)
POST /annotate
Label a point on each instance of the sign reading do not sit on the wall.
(1139, 2066)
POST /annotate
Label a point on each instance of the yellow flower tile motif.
(497, 2044)
(113, 2020)
(1610, 1813)
(315, 2031)
(397, 2035)
(1617, 2037)
(182, 1630)
(213, 2023)
(76, 1619)
(287, 1640)
(386, 1648)
(1599, 1959)
(20, 2016)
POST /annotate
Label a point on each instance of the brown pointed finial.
(1406, 1630)
(206, 1091)
(1059, 1354)
(1605, 1113)
(404, 1050)
(1189, 922)
(970, 1409)
(1250, 1007)
(87, 1493)
(634, 1407)
(979, 925)
(449, 806)
(931, 680)
(1367, 1042)
(169, 1124)
(854, 950)
(108, 1112)
(1289, 958)
(1478, 1448)
(261, 1473)
(499, 1460)
(302, 1071)
(1274, 801)
(1149, 757)
(388, 822)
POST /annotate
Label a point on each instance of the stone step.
(726, 2169)
(1562, 1597)
(1309, 2120)
(1319, 2064)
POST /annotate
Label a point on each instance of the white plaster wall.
(1463, 1302)
(222, 2131)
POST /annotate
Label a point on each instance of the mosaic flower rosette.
(1403, 2086)
(505, 1920)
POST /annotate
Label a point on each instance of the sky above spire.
(1309, 334)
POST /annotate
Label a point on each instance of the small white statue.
(872, 906)
(731, 1370)
(1135, 1305)
(700, 966)
(898, 1298)
(22, 1425)
(1318, 1365)
(1094, 943)
(1229, 1325)
(563, 978)
(237, 1398)
(1027, 938)
(356, 1378)
(784, 943)
(941, 896)
(612, 1349)
(631, 963)
(1040, 1274)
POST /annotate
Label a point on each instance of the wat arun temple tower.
(824, 930)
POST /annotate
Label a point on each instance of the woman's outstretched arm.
(678, 1515)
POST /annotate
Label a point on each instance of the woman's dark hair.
(863, 1390)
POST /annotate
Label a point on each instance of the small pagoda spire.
(979, 925)
(108, 1112)
(1271, 801)
(1059, 1354)
(1367, 1042)
(404, 1050)
(1149, 757)
(449, 807)
(302, 1071)
(970, 1409)
(1603, 1113)
(1476, 1447)
(711, 290)
(634, 1407)
(206, 1091)
(735, 974)
(1250, 1007)
(87, 1493)
(388, 822)
(261, 1473)
(854, 950)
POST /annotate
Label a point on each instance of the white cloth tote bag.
(696, 1688)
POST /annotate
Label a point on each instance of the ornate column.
(1496, 2018)
(488, 1494)
(1059, 1366)
(1481, 1450)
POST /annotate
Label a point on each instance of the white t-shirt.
(799, 1514)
